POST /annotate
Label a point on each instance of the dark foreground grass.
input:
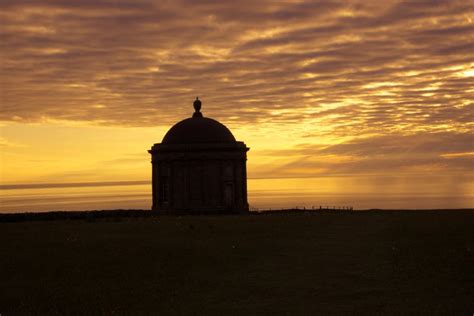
(338, 263)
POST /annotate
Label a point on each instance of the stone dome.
(199, 168)
(198, 130)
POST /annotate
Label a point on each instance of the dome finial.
(197, 108)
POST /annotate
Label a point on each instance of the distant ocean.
(357, 192)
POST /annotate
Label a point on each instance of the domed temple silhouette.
(199, 167)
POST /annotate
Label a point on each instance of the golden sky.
(314, 88)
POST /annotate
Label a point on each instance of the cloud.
(441, 153)
(143, 61)
(5, 143)
(347, 70)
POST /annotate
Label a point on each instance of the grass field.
(371, 262)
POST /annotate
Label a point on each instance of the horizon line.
(70, 184)
(47, 185)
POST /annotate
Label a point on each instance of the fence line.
(304, 209)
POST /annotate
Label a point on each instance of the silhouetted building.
(199, 167)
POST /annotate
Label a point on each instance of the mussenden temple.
(199, 167)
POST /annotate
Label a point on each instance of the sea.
(360, 192)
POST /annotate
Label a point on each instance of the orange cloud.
(347, 76)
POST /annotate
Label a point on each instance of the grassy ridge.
(366, 262)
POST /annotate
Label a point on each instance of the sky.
(314, 88)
